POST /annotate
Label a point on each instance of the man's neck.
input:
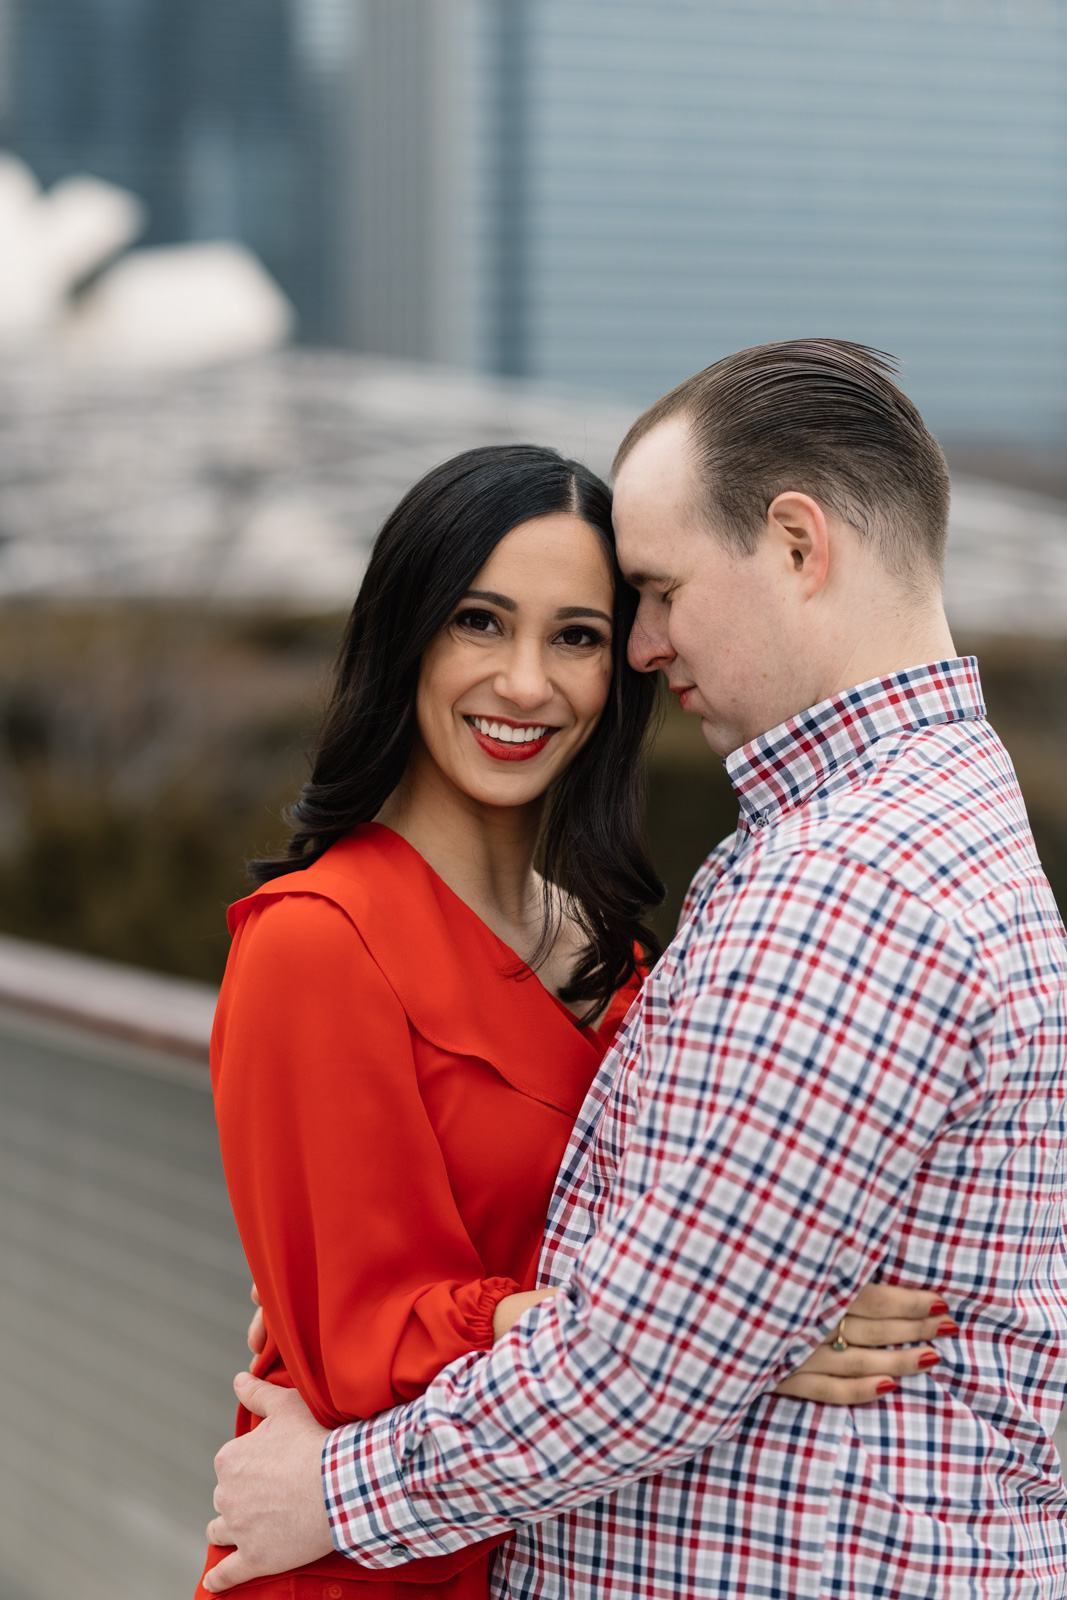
(867, 643)
(891, 649)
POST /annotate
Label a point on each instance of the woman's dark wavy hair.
(592, 846)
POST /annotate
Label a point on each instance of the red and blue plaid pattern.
(850, 1063)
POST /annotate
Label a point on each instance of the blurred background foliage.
(148, 750)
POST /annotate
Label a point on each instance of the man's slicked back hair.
(824, 417)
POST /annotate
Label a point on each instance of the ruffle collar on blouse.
(461, 987)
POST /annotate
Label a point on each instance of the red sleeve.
(370, 1284)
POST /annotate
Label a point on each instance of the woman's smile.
(506, 740)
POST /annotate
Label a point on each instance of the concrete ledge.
(170, 1014)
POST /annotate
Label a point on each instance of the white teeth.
(507, 734)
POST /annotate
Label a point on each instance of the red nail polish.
(946, 1330)
(885, 1386)
(929, 1358)
(938, 1309)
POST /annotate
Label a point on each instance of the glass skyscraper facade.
(700, 177)
(635, 187)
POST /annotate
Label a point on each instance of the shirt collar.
(782, 768)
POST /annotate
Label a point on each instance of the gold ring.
(839, 1342)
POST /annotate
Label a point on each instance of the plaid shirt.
(848, 1065)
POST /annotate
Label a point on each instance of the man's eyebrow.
(500, 600)
(581, 611)
(638, 580)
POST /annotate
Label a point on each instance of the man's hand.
(257, 1328)
(269, 1494)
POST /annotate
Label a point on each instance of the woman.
(420, 993)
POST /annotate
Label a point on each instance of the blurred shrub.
(147, 751)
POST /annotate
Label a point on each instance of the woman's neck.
(484, 853)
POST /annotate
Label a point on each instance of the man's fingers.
(872, 1332)
(260, 1397)
(859, 1363)
(218, 1532)
(231, 1570)
(257, 1334)
(889, 1300)
(832, 1391)
(255, 1296)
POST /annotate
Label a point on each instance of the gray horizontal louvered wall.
(123, 1305)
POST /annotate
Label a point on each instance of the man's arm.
(824, 1034)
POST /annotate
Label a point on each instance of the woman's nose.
(524, 680)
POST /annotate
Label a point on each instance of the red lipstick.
(501, 751)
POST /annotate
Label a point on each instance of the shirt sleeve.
(369, 1281)
(820, 1033)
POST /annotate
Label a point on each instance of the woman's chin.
(512, 785)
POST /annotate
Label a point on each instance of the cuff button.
(398, 1549)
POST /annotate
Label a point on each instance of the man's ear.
(797, 524)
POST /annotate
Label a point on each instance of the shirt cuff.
(480, 1315)
(371, 1518)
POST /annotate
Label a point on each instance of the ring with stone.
(839, 1342)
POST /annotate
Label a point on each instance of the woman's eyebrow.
(507, 604)
(581, 611)
(500, 600)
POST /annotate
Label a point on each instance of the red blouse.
(394, 1091)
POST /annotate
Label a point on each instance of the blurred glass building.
(605, 194)
(616, 192)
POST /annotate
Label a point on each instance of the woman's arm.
(368, 1279)
(881, 1316)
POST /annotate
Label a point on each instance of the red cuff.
(479, 1318)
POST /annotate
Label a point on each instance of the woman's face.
(514, 684)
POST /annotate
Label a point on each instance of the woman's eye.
(476, 621)
(582, 636)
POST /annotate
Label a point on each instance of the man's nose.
(649, 649)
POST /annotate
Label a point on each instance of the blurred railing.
(123, 1287)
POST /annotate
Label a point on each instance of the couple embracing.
(590, 1274)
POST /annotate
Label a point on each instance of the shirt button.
(398, 1549)
(333, 1591)
(759, 822)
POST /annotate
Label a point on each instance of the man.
(849, 1063)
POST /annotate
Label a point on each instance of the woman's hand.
(511, 1308)
(257, 1328)
(880, 1315)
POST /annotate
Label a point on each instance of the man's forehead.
(646, 557)
(661, 461)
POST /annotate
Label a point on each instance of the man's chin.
(722, 742)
